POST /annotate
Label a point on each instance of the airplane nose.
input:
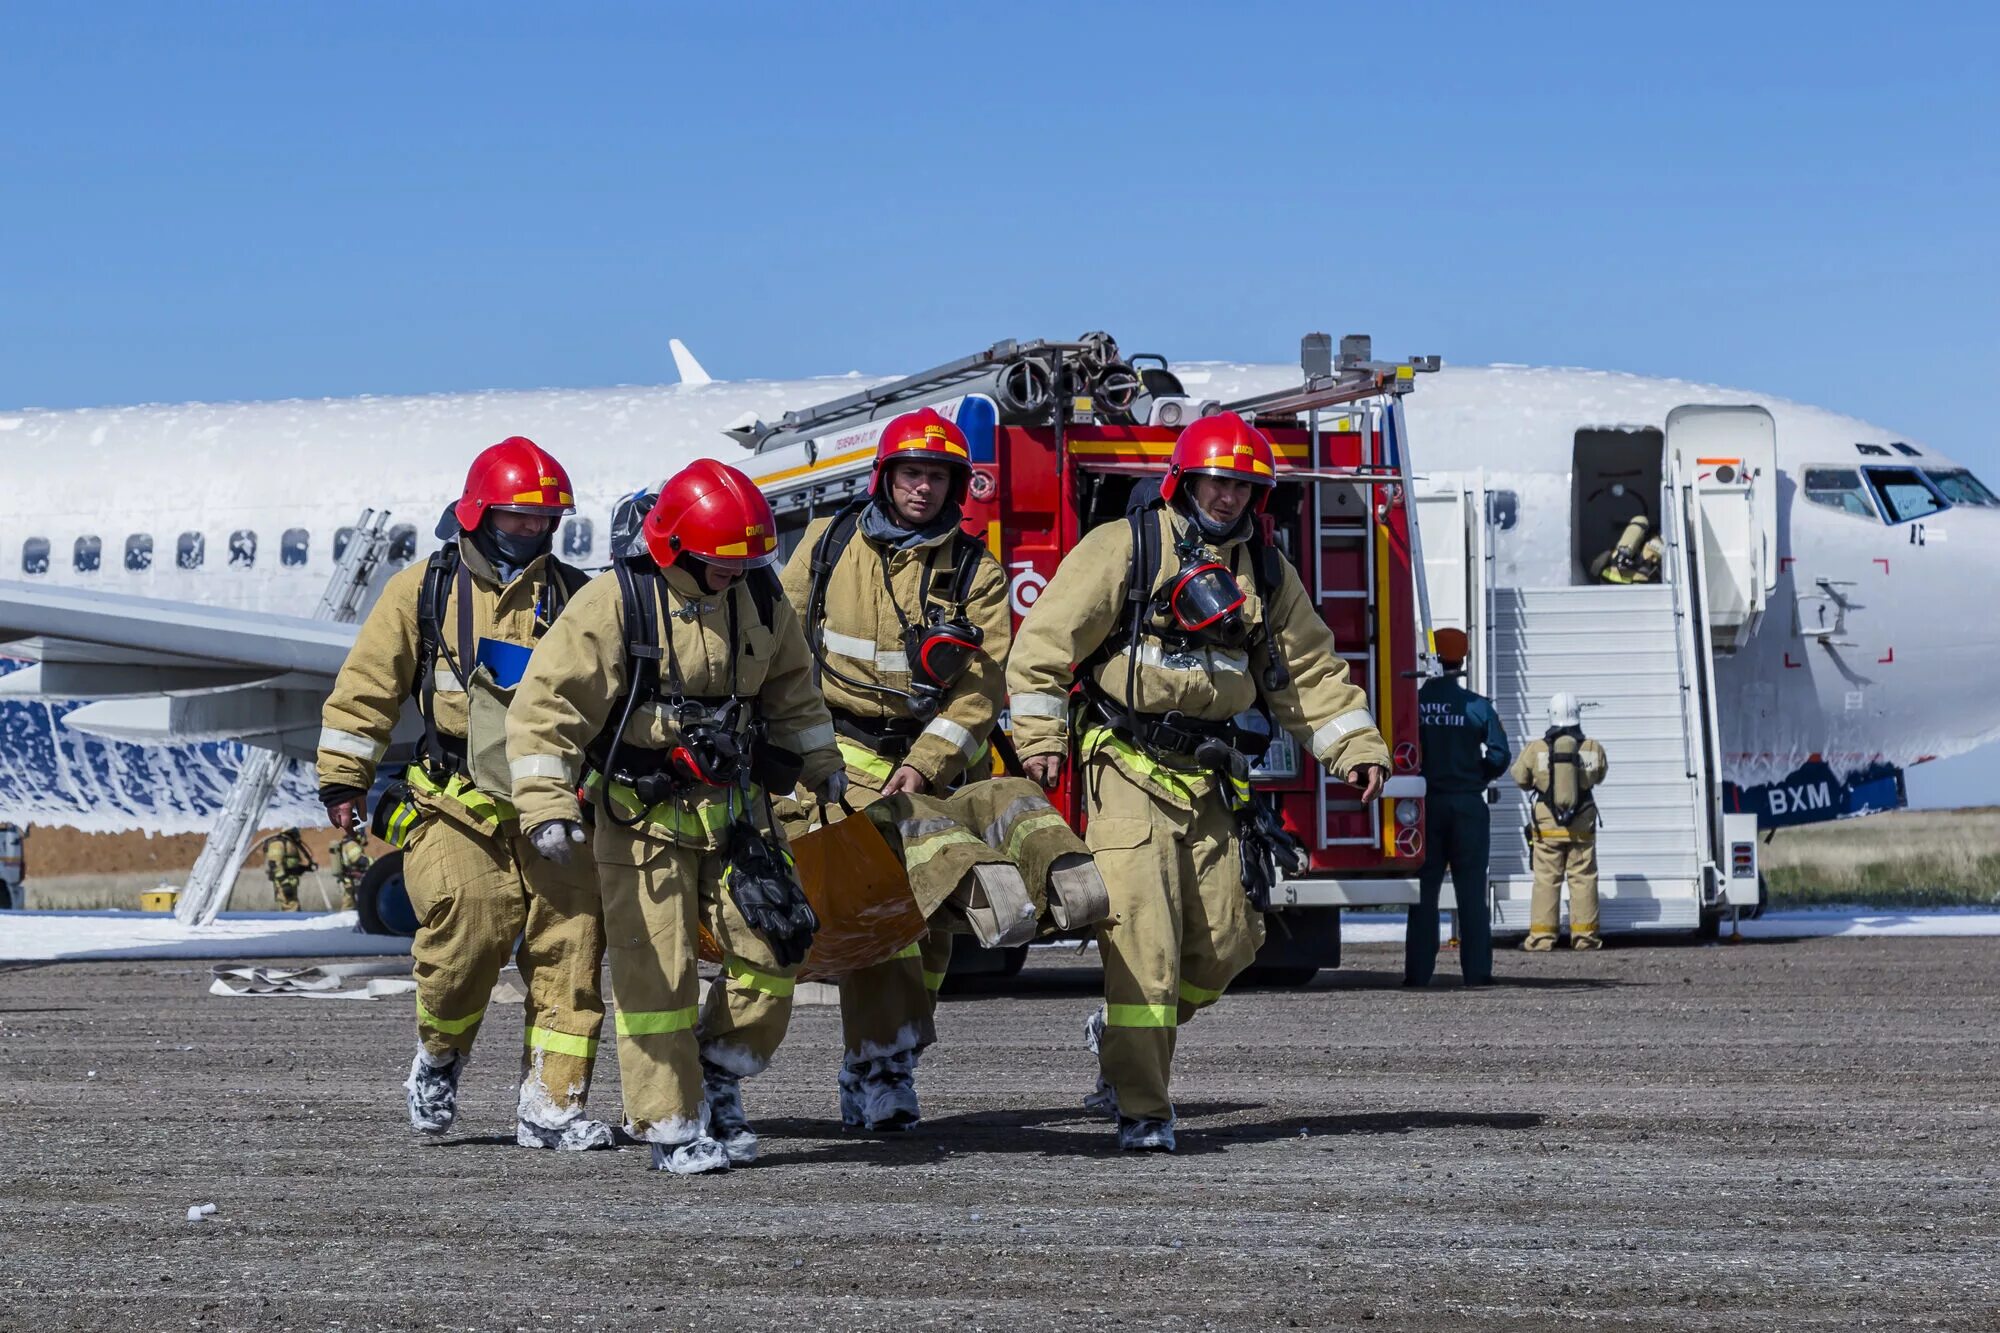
(1939, 668)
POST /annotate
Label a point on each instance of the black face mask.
(507, 549)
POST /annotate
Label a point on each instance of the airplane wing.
(172, 673)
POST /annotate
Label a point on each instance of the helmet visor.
(541, 511)
(737, 564)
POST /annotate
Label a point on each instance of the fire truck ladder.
(1032, 383)
(214, 874)
(1375, 390)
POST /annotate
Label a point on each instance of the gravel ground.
(1776, 1135)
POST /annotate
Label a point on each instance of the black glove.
(765, 888)
(1265, 845)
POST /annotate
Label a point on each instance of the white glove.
(553, 839)
(831, 790)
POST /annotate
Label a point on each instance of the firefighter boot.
(850, 1091)
(1585, 939)
(1104, 1101)
(1145, 1135)
(1538, 943)
(887, 1093)
(696, 1157)
(433, 1092)
(540, 1123)
(726, 1121)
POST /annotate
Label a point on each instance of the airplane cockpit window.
(1906, 450)
(35, 555)
(293, 547)
(402, 543)
(1839, 488)
(139, 552)
(1871, 451)
(577, 535)
(190, 550)
(242, 549)
(1961, 487)
(89, 554)
(341, 537)
(1904, 493)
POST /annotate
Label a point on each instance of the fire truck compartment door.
(1312, 892)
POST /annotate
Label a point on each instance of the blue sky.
(248, 201)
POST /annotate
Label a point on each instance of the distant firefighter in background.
(1561, 770)
(1636, 557)
(286, 862)
(13, 867)
(350, 867)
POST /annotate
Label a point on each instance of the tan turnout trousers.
(1554, 859)
(475, 894)
(656, 893)
(1180, 928)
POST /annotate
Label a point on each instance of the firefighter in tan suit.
(1561, 770)
(477, 887)
(907, 617)
(1163, 766)
(677, 692)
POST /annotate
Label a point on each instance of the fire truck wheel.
(1280, 978)
(969, 961)
(383, 903)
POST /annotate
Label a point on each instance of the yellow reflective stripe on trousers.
(1140, 1016)
(865, 761)
(911, 950)
(459, 788)
(454, 1026)
(698, 819)
(562, 1043)
(1137, 762)
(648, 1022)
(1193, 994)
(933, 981)
(770, 983)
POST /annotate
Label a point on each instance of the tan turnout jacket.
(1531, 773)
(381, 668)
(1079, 608)
(862, 638)
(578, 675)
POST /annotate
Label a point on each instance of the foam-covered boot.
(726, 1121)
(1587, 940)
(851, 1073)
(1104, 1101)
(579, 1135)
(693, 1158)
(889, 1093)
(1146, 1135)
(433, 1092)
(1539, 943)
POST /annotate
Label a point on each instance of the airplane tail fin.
(689, 368)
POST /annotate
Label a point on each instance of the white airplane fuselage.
(1906, 679)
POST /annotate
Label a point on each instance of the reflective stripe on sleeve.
(346, 742)
(1324, 739)
(805, 742)
(1139, 1016)
(949, 731)
(562, 1043)
(651, 1022)
(1040, 705)
(769, 983)
(539, 766)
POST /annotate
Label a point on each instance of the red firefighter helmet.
(1224, 445)
(711, 511)
(516, 474)
(925, 434)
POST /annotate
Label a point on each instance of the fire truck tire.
(1297, 944)
(968, 960)
(383, 903)
(1279, 978)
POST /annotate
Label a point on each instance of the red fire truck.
(1061, 432)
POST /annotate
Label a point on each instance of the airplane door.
(1441, 516)
(1730, 455)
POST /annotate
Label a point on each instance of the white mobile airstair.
(1641, 657)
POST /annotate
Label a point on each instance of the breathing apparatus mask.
(1203, 601)
(940, 650)
(511, 549)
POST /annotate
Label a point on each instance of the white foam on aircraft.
(96, 936)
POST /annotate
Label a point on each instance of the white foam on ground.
(86, 936)
(1814, 923)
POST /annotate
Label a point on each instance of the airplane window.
(1839, 488)
(341, 537)
(89, 554)
(1904, 493)
(1907, 450)
(242, 549)
(1962, 488)
(189, 550)
(139, 552)
(577, 535)
(402, 543)
(293, 547)
(35, 555)
(1871, 451)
